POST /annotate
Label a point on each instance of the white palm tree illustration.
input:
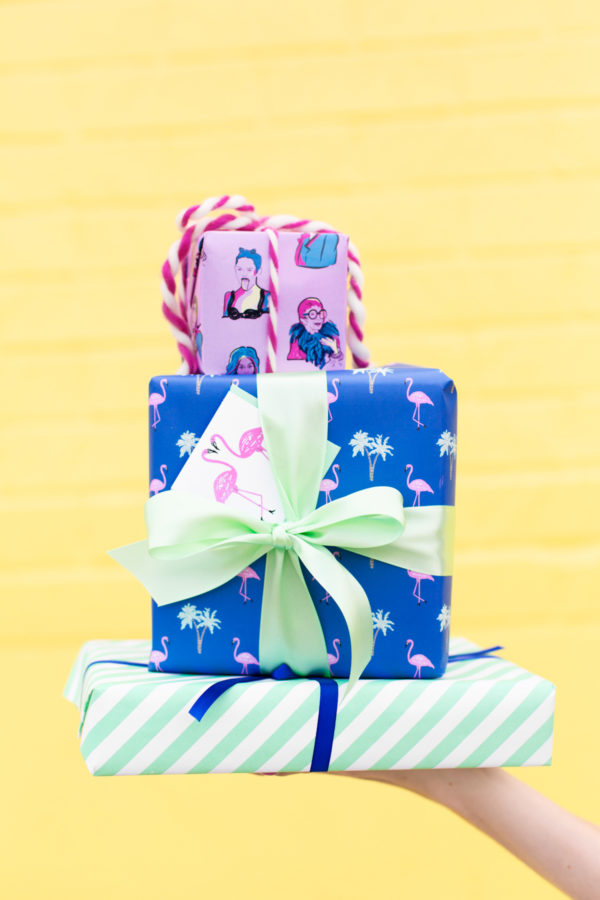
(373, 372)
(381, 622)
(447, 444)
(381, 447)
(207, 619)
(444, 617)
(192, 617)
(189, 619)
(360, 442)
(373, 447)
(187, 442)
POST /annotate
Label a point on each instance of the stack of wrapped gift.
(299, 556)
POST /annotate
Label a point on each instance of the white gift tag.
(230, 464)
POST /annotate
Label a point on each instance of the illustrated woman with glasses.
(313, 338)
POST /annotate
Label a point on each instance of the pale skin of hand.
(559, 846)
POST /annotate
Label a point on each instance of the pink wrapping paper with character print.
(229, 302)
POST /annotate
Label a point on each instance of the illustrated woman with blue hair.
(249, 300)
(243, 361)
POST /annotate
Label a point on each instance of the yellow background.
(458, 143)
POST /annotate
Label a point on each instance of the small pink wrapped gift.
(230, 295)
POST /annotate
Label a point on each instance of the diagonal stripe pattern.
(483, 712)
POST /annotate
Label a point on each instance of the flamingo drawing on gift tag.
(333, 658)
(328, 485)
(245, 658)
(419, 577)
(418, 398)
(157, 657)
(225, 485)
(332, 398)
(250, 442)
(418, 660)
(155, 399)
(246, 575)
(159, 484)
(418, 485)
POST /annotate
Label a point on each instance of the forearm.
(561, 847)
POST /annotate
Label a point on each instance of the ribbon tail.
(290, 631)
(328, 705)
(351, 599)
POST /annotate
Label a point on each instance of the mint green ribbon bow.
(196, 544)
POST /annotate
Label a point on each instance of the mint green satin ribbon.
(196, 544)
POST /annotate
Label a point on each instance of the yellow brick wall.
(459, 145)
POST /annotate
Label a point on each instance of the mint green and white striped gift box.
(482, 712)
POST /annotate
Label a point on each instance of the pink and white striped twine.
(233, 212)
(273, 300)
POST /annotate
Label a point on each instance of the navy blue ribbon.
(488, 653)
(328, 703)
(117, 662)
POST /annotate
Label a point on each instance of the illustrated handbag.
(317, 251)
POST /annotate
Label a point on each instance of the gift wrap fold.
(481, 713)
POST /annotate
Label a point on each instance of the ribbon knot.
(281, 537)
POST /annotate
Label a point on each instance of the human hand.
(559, 846)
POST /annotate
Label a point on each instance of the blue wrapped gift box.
(395, 426)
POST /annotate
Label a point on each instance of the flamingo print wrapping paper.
(481, 713)
(230, 297)
(394, 426)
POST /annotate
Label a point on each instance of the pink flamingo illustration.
(225, 485)
(156, 484)
(419, 577)
(245, 575)
(246, 659)
(250, 442)
(332, 658)
(325, 598)
(331, 398)
(156, 399)
(327, 485)
(419, 661)
(418, 398)
(157, 657)
(418, 485)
